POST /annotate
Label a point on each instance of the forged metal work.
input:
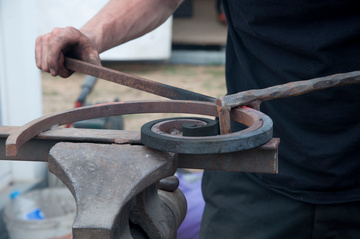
(259, 129)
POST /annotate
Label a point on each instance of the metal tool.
(135, 82)
(226, 103)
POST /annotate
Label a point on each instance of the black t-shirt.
(273, 42)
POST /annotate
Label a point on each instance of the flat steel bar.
(262, 159)
(82, 135)
(289, 90)
(135, 82)
(32, 151)
(38, 148)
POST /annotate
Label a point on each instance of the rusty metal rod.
(289, 89)
(135, 82)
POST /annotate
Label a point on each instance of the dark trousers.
(237, 207)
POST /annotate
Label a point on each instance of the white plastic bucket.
(41, 214)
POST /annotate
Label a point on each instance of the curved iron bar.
(259, 125)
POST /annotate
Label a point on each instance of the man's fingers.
(49, 51)
(51, 48)
(58, 43)
(44, 52)
(38, 51)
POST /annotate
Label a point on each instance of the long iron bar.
(135, 82)
(262, 159)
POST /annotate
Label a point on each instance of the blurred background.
(187, 51)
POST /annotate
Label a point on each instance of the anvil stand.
(115, 188)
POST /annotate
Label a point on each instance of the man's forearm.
(123, 20)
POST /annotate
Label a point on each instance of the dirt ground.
(60, 94)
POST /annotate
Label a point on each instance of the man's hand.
(117, 22)
(51, 48)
